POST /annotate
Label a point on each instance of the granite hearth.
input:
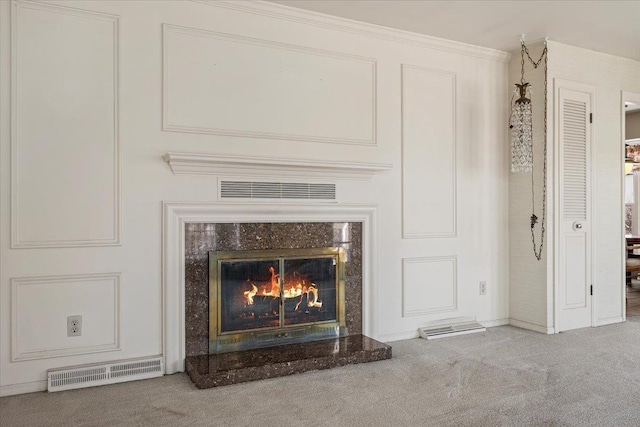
(211, 370)
(215, 370)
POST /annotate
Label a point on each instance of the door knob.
(577, 226)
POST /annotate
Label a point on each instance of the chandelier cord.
(537, 249)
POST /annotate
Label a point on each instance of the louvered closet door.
(574, 226)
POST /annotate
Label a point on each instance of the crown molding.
(213, 164)
(287, 13)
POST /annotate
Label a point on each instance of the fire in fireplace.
(271, 297)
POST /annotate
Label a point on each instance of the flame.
(275, 285)
(250, 294)
(313, 303)
(312, 290)
(293, 292)
(293, 288)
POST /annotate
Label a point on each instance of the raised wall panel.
(429, 285)
(65, 153)
(428, 153)
(40, 307)
(241, 86)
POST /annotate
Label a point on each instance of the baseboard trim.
(531, 327)
(609, 321)
(22, 388)
(493, 323)
(398, 336)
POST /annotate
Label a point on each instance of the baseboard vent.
(450, 329)
(276, 190)
(108, 373)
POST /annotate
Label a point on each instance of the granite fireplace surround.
(211, 370)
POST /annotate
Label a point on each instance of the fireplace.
(273, 240)
(262, 298)
(267, 299)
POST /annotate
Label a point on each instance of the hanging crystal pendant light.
(521, 131)
(521, 124)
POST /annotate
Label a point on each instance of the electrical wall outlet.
(483, 288)
(74, 326)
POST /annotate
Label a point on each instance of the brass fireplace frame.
(220, 342)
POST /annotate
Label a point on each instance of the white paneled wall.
(243, 86)
(100, 91)
(429, 190)
(64, 96)
(42, 333)
(430, 285)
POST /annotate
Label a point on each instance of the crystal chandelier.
(522, 131)
(521, 124)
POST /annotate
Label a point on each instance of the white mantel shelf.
(212, 164)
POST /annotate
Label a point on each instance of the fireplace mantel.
(213, 164)
(177, 214)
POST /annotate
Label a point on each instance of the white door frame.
(624, 97)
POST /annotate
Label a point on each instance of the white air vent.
(276, 190)
(449, 330)
(111, 373)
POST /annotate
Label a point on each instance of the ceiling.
(611, 27)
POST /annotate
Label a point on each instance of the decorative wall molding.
(421, 162)
(18, 354)
(408, 294)
(17, 241)
(243, 166)
(65, 10)
(176, 215)
(277, 11)
(171, 124)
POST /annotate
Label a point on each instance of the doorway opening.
(631, 208)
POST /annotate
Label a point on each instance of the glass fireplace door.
(257, 298)
(309, 290)
(249, 295)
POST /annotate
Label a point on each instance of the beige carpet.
(505, 376)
